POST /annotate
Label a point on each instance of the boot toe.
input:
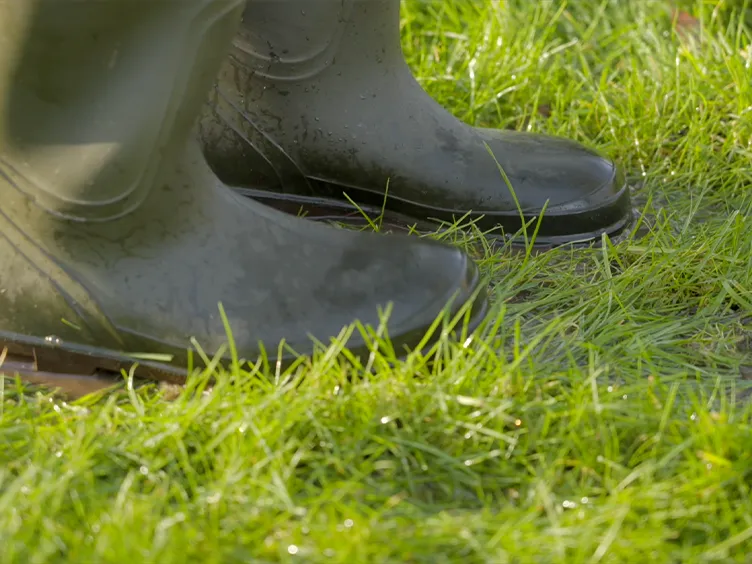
(579, 192)
(451, 286)
(414, 280)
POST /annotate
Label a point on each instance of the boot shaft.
(297, 39)
(96, 95)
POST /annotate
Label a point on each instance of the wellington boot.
(316, 99)
(118, 243)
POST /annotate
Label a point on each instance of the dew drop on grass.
(349, 523)
(693, 417)
(585, 501)
(386, 419)
(568, 504)
(144, 470)
(292, 549)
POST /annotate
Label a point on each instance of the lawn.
(601, 415)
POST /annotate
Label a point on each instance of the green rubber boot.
(117, 240)
(316, 99)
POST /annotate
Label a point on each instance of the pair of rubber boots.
(118, 240)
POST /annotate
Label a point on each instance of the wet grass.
(601, 417)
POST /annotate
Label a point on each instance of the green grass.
(603, 417)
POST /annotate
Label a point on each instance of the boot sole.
(612, 218)
(75, 369)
